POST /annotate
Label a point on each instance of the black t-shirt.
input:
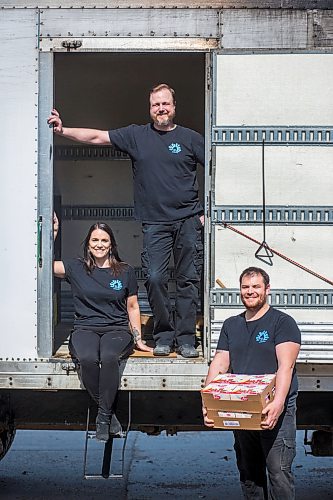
(251, 344)
(164, 170)
(100, 298)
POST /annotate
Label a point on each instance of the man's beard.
(164, 120)
(256, 307)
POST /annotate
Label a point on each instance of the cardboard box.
(236, 401)
(235, 420)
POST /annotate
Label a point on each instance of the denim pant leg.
(276, 452)
(280, 455)
(155, 258)
(188, 257)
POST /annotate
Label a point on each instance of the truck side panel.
(274, 111)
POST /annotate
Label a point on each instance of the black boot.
(116, 429)
(102, 426)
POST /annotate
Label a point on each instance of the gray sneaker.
(162, 350)
(187, 351)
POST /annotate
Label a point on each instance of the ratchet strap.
(279, 254)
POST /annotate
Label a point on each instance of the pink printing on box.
(238, 387)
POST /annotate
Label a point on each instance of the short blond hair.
(162, 86)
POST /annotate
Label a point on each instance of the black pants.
(184, 240)
(99, 352)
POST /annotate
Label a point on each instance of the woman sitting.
(107, 319)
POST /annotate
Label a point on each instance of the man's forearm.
(86, 135)
(283, 381)
(287, 353)
(220, 364)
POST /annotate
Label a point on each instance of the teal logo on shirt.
(175, 148)
(262, 337)
(116, 285)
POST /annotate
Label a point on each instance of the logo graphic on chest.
(262, 337)
(175, 148)
(116, 284)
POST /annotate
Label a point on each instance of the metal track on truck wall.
(88, 153)
(86, 212)
(279, 298)
(274, 215)
(231, 214)
(273, 136)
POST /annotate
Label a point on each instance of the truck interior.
(105, 91)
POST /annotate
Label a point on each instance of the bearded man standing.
(164, 160)
(262, 340)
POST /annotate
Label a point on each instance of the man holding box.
(262, 340)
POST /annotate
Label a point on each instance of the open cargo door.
(24, 235)
(272, 114)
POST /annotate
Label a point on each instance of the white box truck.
(256, 78)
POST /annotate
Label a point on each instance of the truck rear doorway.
(106, 91)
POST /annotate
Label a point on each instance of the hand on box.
(207, 421)
(272, 412)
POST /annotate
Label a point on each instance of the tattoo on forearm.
(136, 334)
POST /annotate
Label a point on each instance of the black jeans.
(99, 351)
(272, 450)
(183, 239)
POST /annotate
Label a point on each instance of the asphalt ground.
(49, 465)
